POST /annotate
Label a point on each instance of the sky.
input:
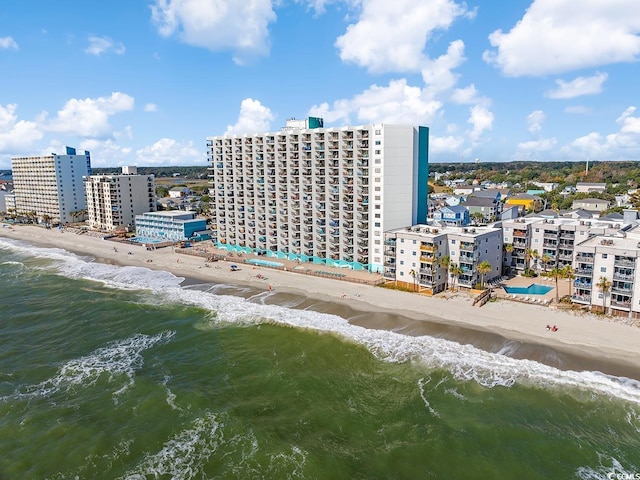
(144, 82)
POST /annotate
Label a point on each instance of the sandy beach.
(582, 334)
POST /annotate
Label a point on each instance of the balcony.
(429, 248)
(581, 298)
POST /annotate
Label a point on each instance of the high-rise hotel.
(51, 185)
(315, 194)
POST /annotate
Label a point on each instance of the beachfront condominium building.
(542, 243)
(606, 273)
(50, 187)
(414, 256)
(113, 201)
(315, 194)
(169, 226)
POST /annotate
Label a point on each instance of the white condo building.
(51, 185)
(113, 201)
(413, 256)
(314, 194)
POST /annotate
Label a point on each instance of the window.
(414, 254)
(377, 215)
(603, 269)
(377, 224)
(377, 170)
(377, 152)
(401, 262)
(604, 255)
(377, 189)
(415, 241)
(453, 242)
(377, 132)
(378, 142)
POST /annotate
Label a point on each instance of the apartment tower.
(113, 201)
(51, 185)
(315, 194)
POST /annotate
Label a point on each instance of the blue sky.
(145, 82)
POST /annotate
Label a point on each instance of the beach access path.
(578, 332)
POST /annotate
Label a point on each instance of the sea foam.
(118, 361)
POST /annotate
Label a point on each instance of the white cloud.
(16, 136)
(438, 74)
(106, 152)
(556, 36)
(466, 95)
(151, 107)
(630, 124)
(578, 110)
(99, 45)
(167, 151)
(8, 42)
(542, 145)
(578, 86)
(535, 120)
(89, 117)
(448, 144)
(396, 103)
(254, 117)
(481, 119)
(621, 145)
(390, 36)
(218, 25)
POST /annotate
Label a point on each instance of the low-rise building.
(454, 216)
(591, 204)
(171, 225)
(414, 256)
(587, 187)
(529, 203)
(606, 274)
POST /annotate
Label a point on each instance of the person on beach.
(270, 288)
(554, 329)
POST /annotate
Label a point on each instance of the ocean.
(111, 372)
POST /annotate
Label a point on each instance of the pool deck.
(519, 281)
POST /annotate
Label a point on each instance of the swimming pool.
(146, 240)
(533, 289)
(265, 263)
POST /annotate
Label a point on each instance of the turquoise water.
(264, 263)
(111, 372)
(146, 240)
(533, 289)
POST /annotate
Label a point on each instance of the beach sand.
(596, 340)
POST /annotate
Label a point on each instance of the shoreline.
(583, 338)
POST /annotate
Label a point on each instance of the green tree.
(545, 259)
(456, 271)
(484, 267)
(556, 274)
(414, 275)
(604, 285)
(445, 262)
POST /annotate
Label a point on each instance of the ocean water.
(111, 372)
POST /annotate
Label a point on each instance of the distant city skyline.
(144, 83)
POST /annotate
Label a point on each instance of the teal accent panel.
(315, 122)
(422, 190)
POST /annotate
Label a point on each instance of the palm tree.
(567, 272)
(545, 259)
(413, 274)
(556, 273)
(527, 258)
(604, 285)
(535, 255)
(484, 267)
(456, 271)
(508, 248)
(445, 262)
